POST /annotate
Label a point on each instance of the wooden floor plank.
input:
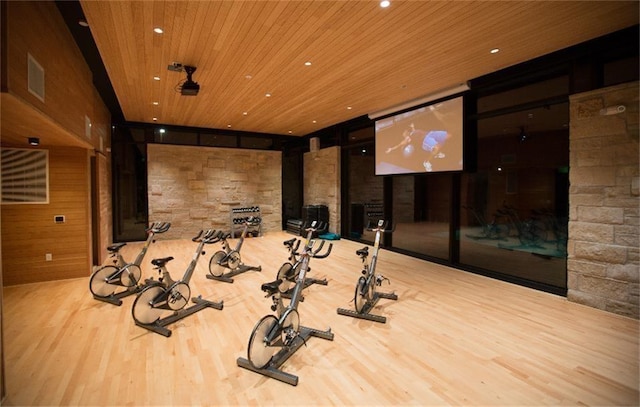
(451, 338)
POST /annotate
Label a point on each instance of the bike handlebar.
(315, 254)
(208, 237)
(158, 227)
(382, 226)
(315, 225)
(197, 238)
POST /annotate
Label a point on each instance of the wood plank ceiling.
(364, 58)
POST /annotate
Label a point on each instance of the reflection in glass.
(514, 209)
(365, 192)
(421, 214)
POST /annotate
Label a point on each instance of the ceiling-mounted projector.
(189, 87)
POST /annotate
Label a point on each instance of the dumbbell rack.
(240, 214)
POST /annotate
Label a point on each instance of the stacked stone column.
(603, 257)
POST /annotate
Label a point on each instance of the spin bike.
(275, 338)
(227, 259)
(169, 295)
(366, 295)
(289, 270)
(107, 280)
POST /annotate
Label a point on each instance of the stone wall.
(196, 188)
(322, 182)
(603, 256)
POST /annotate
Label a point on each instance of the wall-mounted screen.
(426, 139)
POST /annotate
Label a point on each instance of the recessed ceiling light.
(495, 50)
(290, 132)
(245, 113)
(156, 78)
(83, 22)
(155, 119)
(268, 95)
(385, 3)
(161, 131)
(158, 30)
(156, 103)
(248, 76)
(229, 125)
(348, 107)
(308, 63)
(315, 121)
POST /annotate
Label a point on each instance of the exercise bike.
(276, 337)
(227, 259)
(289, 270)
(366, 295)
(165, 294)
(105, 282)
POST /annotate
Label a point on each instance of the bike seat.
(161, 262)
(271, 287)
(115, 247)
(364, 252)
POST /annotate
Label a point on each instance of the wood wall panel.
(104, 234)
(36, 28)
(30, 231)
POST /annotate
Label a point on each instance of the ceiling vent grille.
(35, 78)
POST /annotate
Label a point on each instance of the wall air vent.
(35, 78)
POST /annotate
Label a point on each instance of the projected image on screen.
(427, 139)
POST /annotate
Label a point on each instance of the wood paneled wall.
(29, 230)
(104, 234)
(37, 29)
(2, 376)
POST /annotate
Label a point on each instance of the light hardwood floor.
(452, 338)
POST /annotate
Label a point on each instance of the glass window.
(422, 214)
(558, 86)
(262, 143)
(514, 208)
(365, 192)
(218, 140)
(168, 136)
(621, 71)
(130, 185)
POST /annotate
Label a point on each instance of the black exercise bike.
(289, 270)
(112, 282)
(229, 259)
(276, 337)
(366, 296)
(167, 294)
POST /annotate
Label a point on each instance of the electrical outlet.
(48, 257)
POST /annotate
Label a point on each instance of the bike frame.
(282, 311)
(166, 276)
(120, 263)
(370, 265)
